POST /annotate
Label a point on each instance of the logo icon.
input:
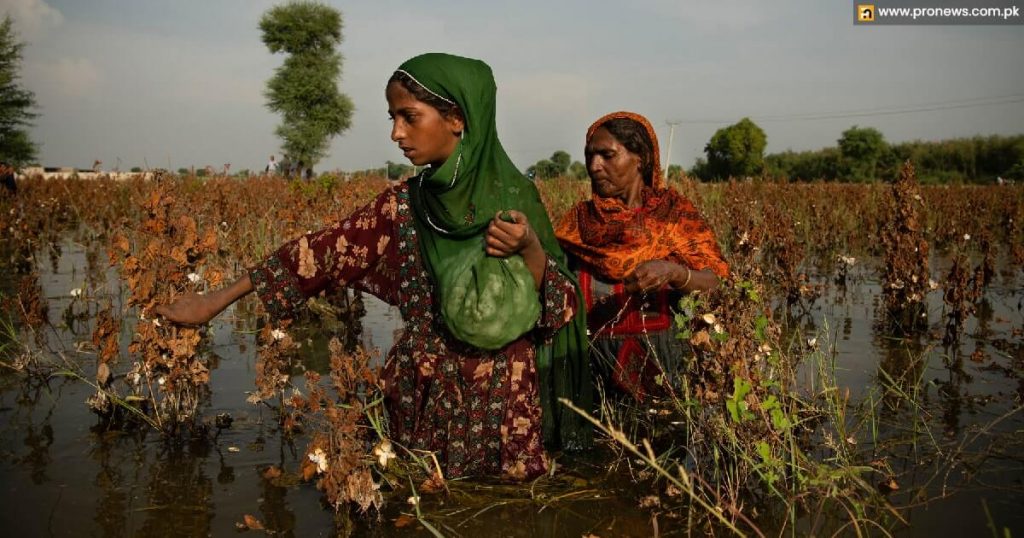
(865, 13)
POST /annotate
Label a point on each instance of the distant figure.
(1000, 180)
(299, 168)
(286, 166)
(7, 178)
(309, 174)
(271, 166)
(97, 166)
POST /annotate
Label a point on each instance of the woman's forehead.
(398, 97)
(602, 139)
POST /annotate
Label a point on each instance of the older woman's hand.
(652, 275)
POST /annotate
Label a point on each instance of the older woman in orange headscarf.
(638, 245)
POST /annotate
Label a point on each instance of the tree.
(861, 150)
(561, 160)
(578, 170)
(822, 164)
(557, 165)
(700, 169)
(304, 90)
(398, 170)
(544, 169)
(16, 103)
(736, 150)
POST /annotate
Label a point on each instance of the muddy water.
(60, 475)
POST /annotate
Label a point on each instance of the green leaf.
(760, 324)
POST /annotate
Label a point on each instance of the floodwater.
(62, 475)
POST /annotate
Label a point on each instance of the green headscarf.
(485, 301)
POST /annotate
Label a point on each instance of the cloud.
(716, 15)
(67, 77)
(539, 113)
(217, 89)
(33, 17)
(546, 91)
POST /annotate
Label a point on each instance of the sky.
(160, 84)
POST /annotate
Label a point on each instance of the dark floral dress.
(479, 411)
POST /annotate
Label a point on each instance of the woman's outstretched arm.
(196, 309)
(337, 255)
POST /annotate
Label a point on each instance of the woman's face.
(614, 170)
(423, 135)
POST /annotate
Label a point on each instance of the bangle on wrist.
(689, 274)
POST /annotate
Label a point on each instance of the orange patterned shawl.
(611, 240)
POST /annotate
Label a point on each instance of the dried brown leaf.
(252, 523)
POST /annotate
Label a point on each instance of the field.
(862, 372)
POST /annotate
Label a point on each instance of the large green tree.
(304, 90)
(16, 103)
(862, 148)
(736, 151)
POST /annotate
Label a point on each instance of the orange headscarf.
(611, 240)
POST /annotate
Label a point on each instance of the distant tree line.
(861, 155)
(390, 170)
(558, 165)
(979, 159)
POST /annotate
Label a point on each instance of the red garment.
(479, 411)
(632, 334)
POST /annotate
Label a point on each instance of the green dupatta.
(453, 206)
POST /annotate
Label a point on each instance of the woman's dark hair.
(446, 109)
(634, 137)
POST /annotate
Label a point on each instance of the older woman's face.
(614, 170)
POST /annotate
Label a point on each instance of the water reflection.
(178, 492)
(115, 486)
(274, 510)
(33, 418)
(900, 371)
(141, 485)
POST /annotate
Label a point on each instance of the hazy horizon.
(155, 84)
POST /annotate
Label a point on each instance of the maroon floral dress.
(479, 411)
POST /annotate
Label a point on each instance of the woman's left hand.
(504, 239)
(651, 275)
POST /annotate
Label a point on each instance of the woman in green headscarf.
(492, 335)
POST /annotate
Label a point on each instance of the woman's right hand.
(188, 309)
(195, 309)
